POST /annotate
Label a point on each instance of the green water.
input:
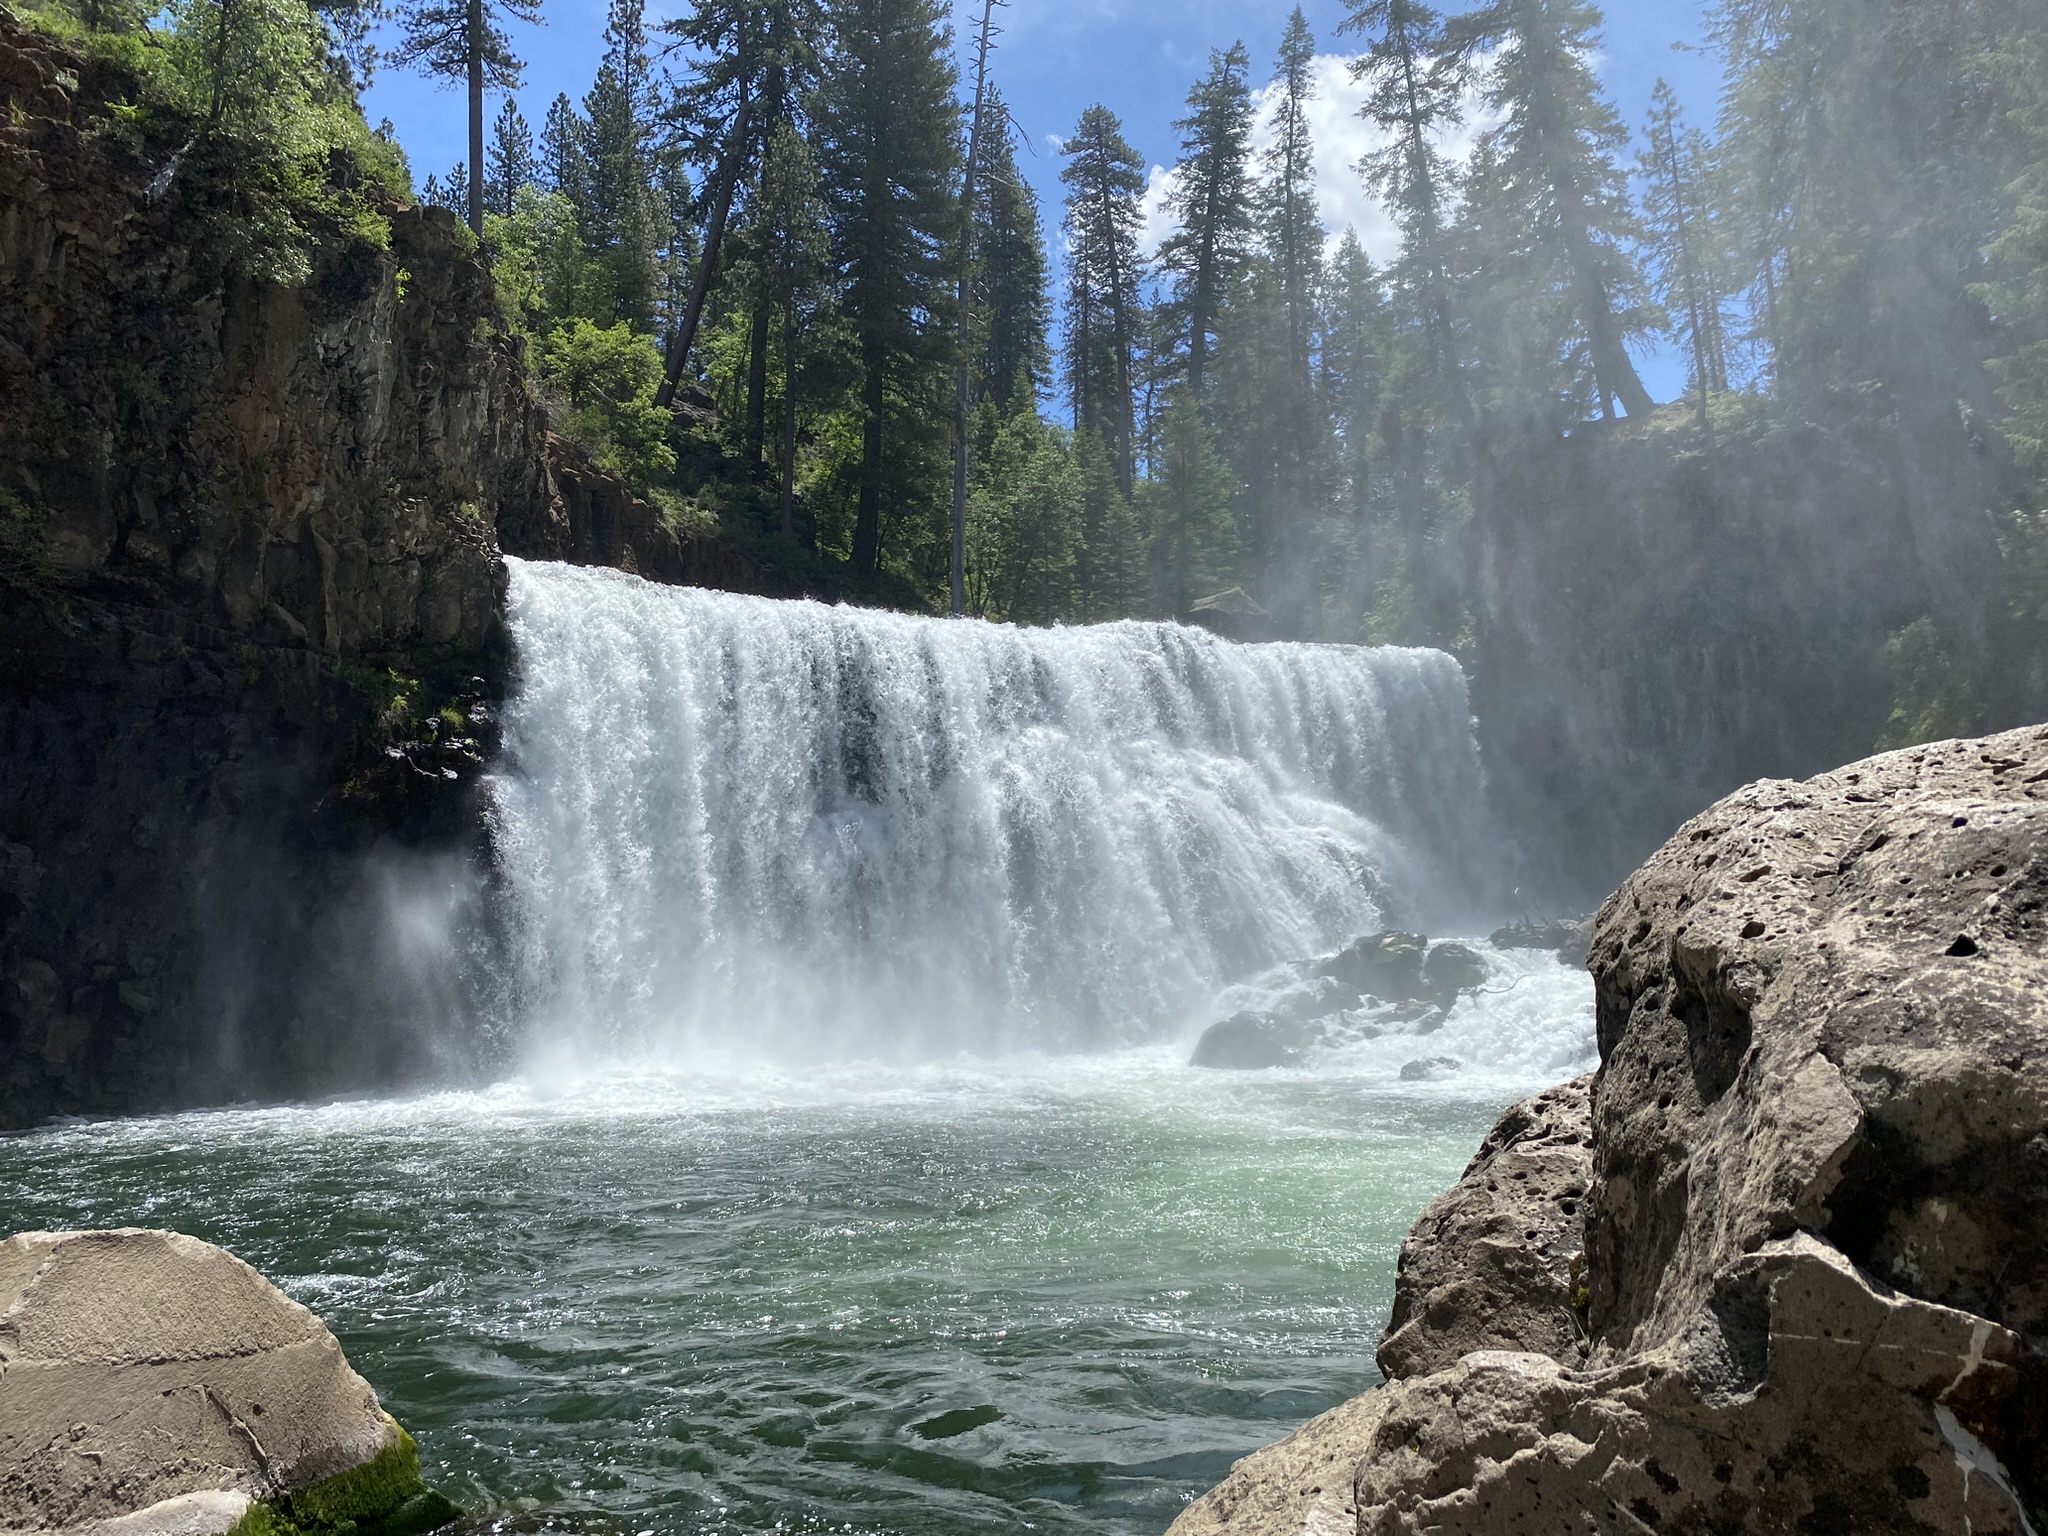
(1058, 1296)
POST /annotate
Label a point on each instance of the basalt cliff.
(1781, 1263)
(251, 623)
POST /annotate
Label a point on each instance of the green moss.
(385, 1496)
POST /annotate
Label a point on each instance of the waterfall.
(730, 822)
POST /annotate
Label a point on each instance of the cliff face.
(1787, 1270)
(247, 560)
(1663, 616)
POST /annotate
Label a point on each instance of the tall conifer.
(1105, 180)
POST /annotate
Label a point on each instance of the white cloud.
(1158, 216)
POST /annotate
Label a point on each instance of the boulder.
(1451, 969)
(1489, 1264)
(1384, 965)
(1813, 1292)
(150, 1382)
(1246, 1042)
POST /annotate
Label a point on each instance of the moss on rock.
(385, 1496)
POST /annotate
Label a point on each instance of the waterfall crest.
(726, 821)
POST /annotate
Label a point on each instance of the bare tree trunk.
(788, 443)
(685, 335)
(476, 116)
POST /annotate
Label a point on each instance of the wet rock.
(1814, 1289)
(1249, 1041)
(1450, 970)
(1570, 939)
(1383, 965)
(152, 1379)
(1489, 1264)
(1430, 1068)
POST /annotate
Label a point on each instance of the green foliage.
(1936, 699)
(22, 540)
(607, 377)
(1024, 524)
(1193, 543)
(544, 275)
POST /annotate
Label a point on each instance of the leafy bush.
(607, 377)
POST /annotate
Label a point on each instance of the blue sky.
(1139, 57)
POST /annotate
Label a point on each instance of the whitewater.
(847, 1172)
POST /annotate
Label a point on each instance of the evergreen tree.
(1676, 219)
(1013, 358)
(887, 141)
(1111, 566)
(789, 215)
(1413, 89)
(512, 162)
(620, 222)
(1558, 172)
(564, 155)
(1354, 341)
(1294, 230)
(1192, 541)
(1105, 180)
(455, 190)
(465, 40)
(1212, 205)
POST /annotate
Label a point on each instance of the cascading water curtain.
(729, 823)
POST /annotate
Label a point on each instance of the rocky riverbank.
(1782, 1262)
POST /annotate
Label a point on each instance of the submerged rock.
(1813, 1292)
(150, 1383)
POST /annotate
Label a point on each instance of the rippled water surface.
(1055, 1294)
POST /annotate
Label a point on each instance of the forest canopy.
(761, 212)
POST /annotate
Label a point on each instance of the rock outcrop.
(1794, 1278)
(150, 1383)
(252, 636)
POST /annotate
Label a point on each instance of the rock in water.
(1246, 1042)
(1385, 965)
(1813, 1294)
(151, 1383)
(1451, 969)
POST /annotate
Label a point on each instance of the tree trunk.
(476, 116)
(787, 446)
(685, 335)
(757, 383)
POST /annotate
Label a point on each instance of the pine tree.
(1414, 87)
(789, 216)
(1105, 179)
(1192, 542)
(465, 40)
(512, 163)
(888, 142)
(619, 217)
(1676, 218)
(1212, 206)
(564, 155)
(1013, 358)
(1354, 339)
(1557, 156)
(1294, 230)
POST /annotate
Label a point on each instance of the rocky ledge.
(1781, 1264)
(153, 1385)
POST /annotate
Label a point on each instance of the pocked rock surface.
(152, 1383)
(1813, 1289)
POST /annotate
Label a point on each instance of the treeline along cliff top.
(779, 271)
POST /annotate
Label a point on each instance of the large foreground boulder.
(1810, 1291)
(151, 1383)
